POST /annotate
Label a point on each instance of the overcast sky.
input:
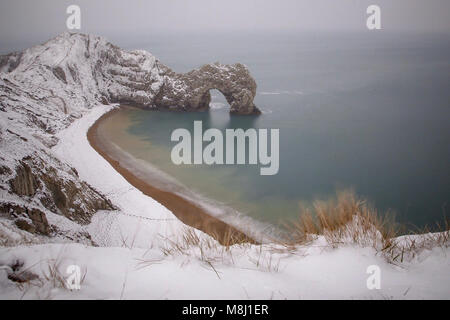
(24, 21)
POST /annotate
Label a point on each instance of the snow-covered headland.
(62, 204)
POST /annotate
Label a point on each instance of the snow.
(123, 273)
(131, 263)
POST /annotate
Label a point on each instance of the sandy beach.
(188, 212)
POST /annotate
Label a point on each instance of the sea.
(368, 112)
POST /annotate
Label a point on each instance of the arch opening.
(218, 100)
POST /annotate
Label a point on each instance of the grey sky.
(24, 21)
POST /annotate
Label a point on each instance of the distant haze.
(24, 22)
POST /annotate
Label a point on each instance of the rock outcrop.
(190, 91)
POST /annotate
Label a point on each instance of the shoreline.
(186, 211)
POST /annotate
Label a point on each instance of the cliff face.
(45, 88)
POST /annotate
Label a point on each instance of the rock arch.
(191, 91)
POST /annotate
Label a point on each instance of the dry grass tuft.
(348, 219)
(408, 247)
(196, 244)
(53, 274)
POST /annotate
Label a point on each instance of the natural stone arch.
(191, 91)
(216, 97)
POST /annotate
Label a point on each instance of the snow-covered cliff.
(73, 71)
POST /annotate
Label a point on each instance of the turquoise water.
(365, 111)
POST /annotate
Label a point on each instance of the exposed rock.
(26, 218)
(4, 170)
(48, 184)
(191, 91)
(24, 183)
(39, 221)
(25, 225)
(10, 61)
(59, 73)
(76, 201)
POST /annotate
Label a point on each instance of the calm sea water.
(368, 111)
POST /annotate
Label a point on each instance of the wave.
(220, 106)
(217, 105)
(265, 93)
(257, 230)
(265, 111)
(277, 92)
